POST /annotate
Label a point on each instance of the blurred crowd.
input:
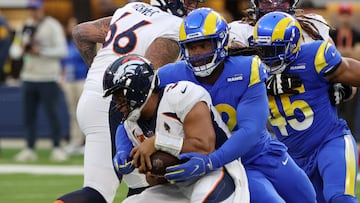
(19, 45)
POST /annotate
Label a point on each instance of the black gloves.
(339, 92)
(278, 84)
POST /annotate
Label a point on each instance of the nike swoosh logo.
(285, 161)
(195, 169)
(184, 90)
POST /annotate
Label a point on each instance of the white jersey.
(176, 102)
(241, 32)
(133, 28)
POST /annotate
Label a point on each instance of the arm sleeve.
(327, 59)
(252, 113)
(122, 141)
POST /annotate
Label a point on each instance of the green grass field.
(31, 188)
(27, 188)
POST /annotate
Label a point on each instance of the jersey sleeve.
(171, 28)
(319, 24)
(258, 72)
(240, 32)
(134, 132)
(327, 58)
(183, 96)
(251, 114)
(122, 141)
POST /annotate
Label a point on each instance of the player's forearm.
(197, 145)
(252, 115)
(87, 49)
(348, 72)
(87, 35)
(122, 141)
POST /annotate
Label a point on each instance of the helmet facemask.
(135, 113)
(276, 55)
(206, 30)
(262, 7)
(204, 64)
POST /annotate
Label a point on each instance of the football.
(160, 160)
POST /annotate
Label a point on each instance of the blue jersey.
(307, 120)
(237, 95)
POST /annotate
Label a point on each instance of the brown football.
(160, 160)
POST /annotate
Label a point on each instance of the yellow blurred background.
(92, 9)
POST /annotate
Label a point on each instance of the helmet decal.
(133, 77)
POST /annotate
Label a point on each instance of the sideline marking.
(41, 169)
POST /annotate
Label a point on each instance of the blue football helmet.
(262, 7)
(131, 79)
(279, 36)
(204, 24)
(176, 7)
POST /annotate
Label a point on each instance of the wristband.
(170, 144)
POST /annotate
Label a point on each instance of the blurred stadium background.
(42, 181)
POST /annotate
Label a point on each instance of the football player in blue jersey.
(236, 86)
(319, 142)
(314, 28)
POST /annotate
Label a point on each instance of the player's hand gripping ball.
(160, 160)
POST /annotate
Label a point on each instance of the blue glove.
(123, 163)
(196, 165)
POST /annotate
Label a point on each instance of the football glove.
(123, 163)
(339, 93)
(196, 165)
(278, 84)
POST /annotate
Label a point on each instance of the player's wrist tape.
(170, 144)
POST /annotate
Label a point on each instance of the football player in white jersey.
(315, 28)
(241, 31)
(177, 118)
(148, 30)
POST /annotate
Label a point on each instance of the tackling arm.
(87, 34)
(347, 72)
(252, 114)
(122, 160)
(252, 119)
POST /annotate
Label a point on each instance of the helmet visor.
(272, 54)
